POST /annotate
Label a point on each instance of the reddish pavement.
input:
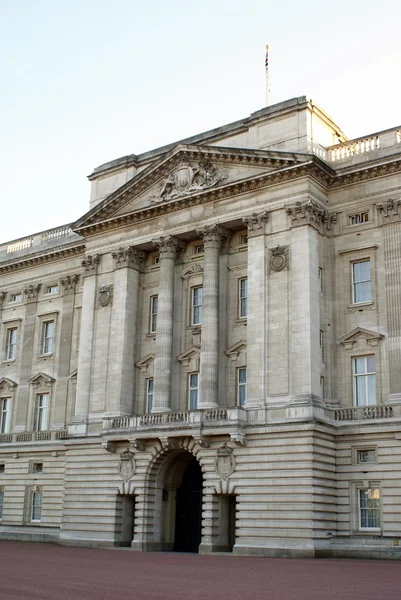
(50, 572)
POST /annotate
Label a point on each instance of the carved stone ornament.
(31, 292)
(188, 179)
(2, 297)
(255, 222)
(309, 213)
(128, 257)
(126, 467)
(105, 295)
(68, 283)
(194, 269)
(90, 264)
(169, 245)
(224, 463)
(212, 234)
(279, 258)
(390, 209)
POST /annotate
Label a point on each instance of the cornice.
(314, 168)
(40, 259)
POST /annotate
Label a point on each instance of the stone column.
(168, 247)
(256, 369)
(213, 236)
(78, 425)
(68, 284)
(121, 374)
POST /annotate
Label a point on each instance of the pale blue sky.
(84, 82)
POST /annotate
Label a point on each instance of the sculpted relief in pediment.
(188, 179)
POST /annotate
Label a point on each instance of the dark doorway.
(126, 519)
(188, 521)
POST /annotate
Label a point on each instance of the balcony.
(363, 413)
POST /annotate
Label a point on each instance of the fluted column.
(213, 236)
(78, 425)
(168, 247)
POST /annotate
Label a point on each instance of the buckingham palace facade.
(209, 360)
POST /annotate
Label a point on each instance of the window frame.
(241, 386)
(153, 313)
(9, 355)
(363, 488)
(44, 338)
(194, 389)
(149, 394)
(15, 297)
(38, 416)
(52, 290)
(198, 306)
(1, 502)
(35, 493)
(366, 374)
(242, 298)
(5, 422)
(354, 283)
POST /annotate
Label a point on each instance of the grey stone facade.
(210, 358)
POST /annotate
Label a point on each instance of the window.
(361, 282)
(369, 508)
(198, 249)
(1, 502)
(243, 297)
(241, 386)
(16, 297)
(52, 289)
(196, 301)
(322, 386)
(42, 412)
(155, 259)
(358, 218)
(243, 239)
(11, 343)
(366, 456)
(364, 377)
(5, 415)
(321, 344)
(47, 337)
(149, 395)
(153, 314)
(193, 390)
(320, 277)
(36, 505)
(2, 467)
(37, 467)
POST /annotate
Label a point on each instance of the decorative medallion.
(105, 295)
(279, 258)
(127, 465)
(224, 463)
(188, 179)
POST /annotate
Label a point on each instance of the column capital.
(90, 264)
(68, 283)
(256, 222)
(128, 257)
(168, 245)
(308, 212)
(31, 292)
(213, 233)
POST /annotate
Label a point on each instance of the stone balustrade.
(378, 145)
(33, 436)
(38, 242)
(360, 413)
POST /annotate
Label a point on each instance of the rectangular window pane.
(1, 503)
(42, 412)
(197, 294)
(149, 395)
(361, 281)
(5, 415)
(364, 381)
(48, 335)
(153, 313)
(241, 375)
(369, 508)
(193, 391)
(36, 506)
(243, 297)
(11, 343)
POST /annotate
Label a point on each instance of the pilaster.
(120, 382)
(256, 320)
(168, 247)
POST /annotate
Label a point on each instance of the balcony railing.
(39, 242)
(384, 143)
(33, 436)
(360, 413)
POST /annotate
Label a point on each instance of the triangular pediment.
(41, 379)
(7, 385)
(144, 363)
(235, 350)
(352, 337)
(185, 172)
(187, 355)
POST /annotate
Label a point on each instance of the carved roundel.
(127, 465)
(279, 258)
(278, 262)
(105, 294)
(224, 462)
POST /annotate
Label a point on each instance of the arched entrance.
(182, 504)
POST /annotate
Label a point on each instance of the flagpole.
(267, 75)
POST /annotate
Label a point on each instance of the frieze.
(42, 259)
(90, 264)
(31, 292)
(105, 295)
(128, 257)
(309, 213)
(68, 283)
(390, 210)
(279, 258)
(224, 463)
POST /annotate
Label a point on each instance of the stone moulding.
(33, 261)
(390, 210)
(128, 257)
(308, 212)
(224, 463)
(90, 264)
(31, 292)
(350, 339)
